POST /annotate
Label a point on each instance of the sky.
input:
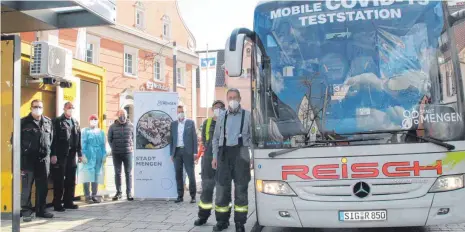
(212, 21)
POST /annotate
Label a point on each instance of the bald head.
(122, 115)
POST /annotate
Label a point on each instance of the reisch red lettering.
(365, 170)
(300, 171)
(416, 168)
(322, 172)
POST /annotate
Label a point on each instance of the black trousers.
(36, 171)
(64, 180)
(126, 161)
(182, 158)
(208, 186)
(233, 164)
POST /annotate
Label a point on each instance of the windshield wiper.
(315, 143)
(448, 146)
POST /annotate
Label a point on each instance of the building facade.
(137, 54)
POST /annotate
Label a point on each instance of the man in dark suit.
(66, 145)
(183, 148)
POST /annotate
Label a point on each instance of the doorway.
(89, 102)
(130, 110)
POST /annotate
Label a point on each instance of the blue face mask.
(122, 119)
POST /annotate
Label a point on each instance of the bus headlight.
(447, 183)
(271, 187)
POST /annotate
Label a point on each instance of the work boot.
(179, 200)
(129, 197)
(44, 214)
(240, 227)
(200, 222)
(193, 200)
(71, 206)
(59, 208)
(117, 196)
(220, 226)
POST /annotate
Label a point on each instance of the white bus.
(358, 113)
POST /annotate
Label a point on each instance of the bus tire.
(257, 227)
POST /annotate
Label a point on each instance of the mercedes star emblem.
(361, 189)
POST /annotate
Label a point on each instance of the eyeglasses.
(37, 107)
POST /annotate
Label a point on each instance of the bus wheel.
(257, 227)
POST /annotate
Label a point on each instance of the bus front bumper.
(284, 211)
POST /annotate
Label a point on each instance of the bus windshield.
(348, 67)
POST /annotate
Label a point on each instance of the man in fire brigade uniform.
(208, 173)
(231, 142)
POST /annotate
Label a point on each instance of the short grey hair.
(234, 90)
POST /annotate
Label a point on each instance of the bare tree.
(311, 114)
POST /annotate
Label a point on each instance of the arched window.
(166, 27)
(139, 15)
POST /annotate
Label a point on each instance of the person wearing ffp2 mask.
(230, 145)
(183, 148)
(67, 144)
(121, 140)
(90, 172)
(36, 148)
(208, 173)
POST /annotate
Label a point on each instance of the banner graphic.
(154, 175)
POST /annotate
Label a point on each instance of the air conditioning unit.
(50, 62)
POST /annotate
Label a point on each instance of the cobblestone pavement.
(157, 216)
(138, 216)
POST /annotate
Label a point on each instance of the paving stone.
(117, 224)
(204, 228)
(81, 227)
(182, 228)
(97, 228)
(145, 230)
(159, 226)
(121, 230)
(137, 225)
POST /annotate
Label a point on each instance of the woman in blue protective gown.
(90, 171)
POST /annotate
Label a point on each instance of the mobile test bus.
(358, 113)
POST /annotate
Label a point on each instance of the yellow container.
(48, 94)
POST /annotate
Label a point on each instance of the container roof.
(23, 16)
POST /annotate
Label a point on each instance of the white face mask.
(94, 122)
(217, 112)
(69, 112)
(37, 112)
(181, 116)
(233, 104)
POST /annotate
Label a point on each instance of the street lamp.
(206, 80)
(175, 53)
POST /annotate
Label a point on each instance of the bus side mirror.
(443, 123)
(233, 55)
(457, 17)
